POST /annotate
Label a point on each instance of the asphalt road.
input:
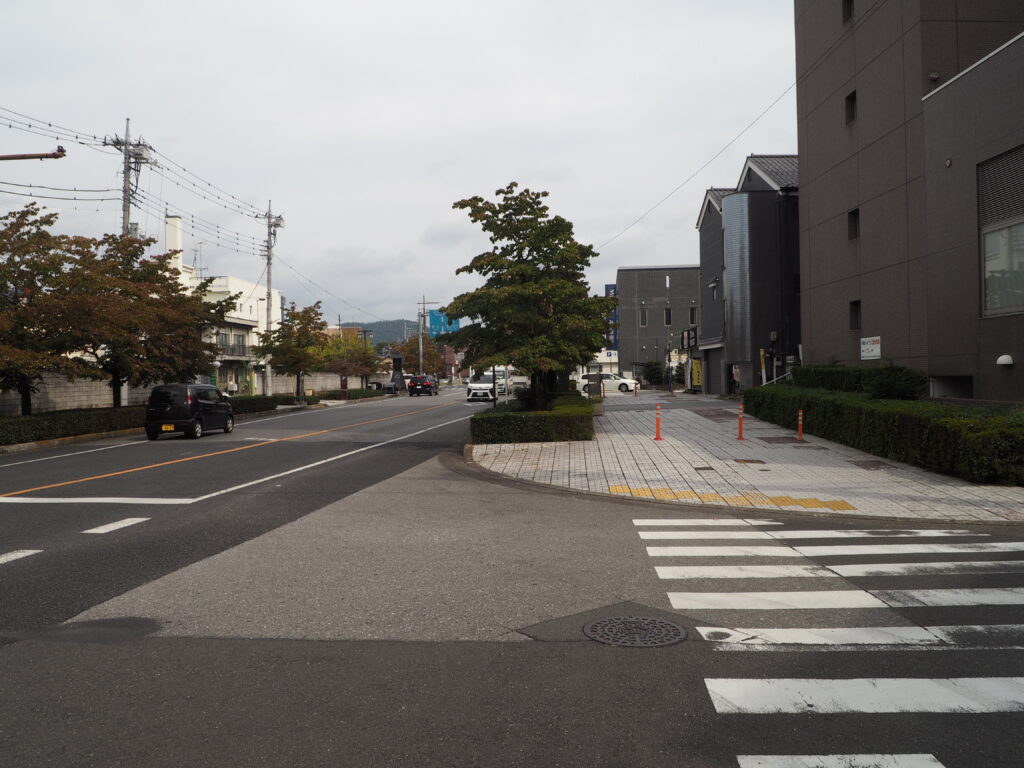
(385, 604)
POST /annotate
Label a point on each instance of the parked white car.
(613, 381)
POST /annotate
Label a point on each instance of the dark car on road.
(422, 385)
(189, 408)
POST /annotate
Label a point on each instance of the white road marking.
(751, 551)
(18, 554)
(838, 761)
(65, 455)
(138, 500)
(771, 601)
(717, 521)
(742, 571)
(119, 524)
(872, 534)
(979, 635)
(961, 695)
(910, 549)
(915, 569)
(773, 535)
(915, 598)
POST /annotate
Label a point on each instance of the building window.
(847, 11)
(693, 315)
(855, 315)
(223, 340)
(1003, 264)
(851, 107)
(853, 224)
(643, 318)
(668, 315)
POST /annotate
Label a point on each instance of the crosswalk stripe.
(980, 634)
(711, 521)
(909, 549)
(118, 525)
(769, 601)
(742, 571)
(18, 554)
(963, 695)
(915, 598)
(920, 569)
(838, 761)
(785, 535)
(735, 551)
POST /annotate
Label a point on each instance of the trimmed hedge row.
(87, 421)
(350, 394)
(48, 426)
(571, 418)
(982, 445)
(885, 381)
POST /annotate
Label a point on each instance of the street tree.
(534, 310)
(295, 345)
(350, 355)
(138, 323)
(410, 352)
(34, 299)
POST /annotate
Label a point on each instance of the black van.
(189, 408)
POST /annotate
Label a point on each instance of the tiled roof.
(714, 195)
(784, 170)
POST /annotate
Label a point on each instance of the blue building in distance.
(438, 323)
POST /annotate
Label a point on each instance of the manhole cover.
(634, 632)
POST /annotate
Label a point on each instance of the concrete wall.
(971, 120)
(891, 53)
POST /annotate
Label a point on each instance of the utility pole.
(422, 321)
(273, 224)
(135, 156)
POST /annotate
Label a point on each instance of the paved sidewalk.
(699, 460)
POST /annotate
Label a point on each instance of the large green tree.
(35, 295)
(137, 323)
(295, 345)
(534, 310)
(350, 355)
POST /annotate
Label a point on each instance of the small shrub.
(570, 418)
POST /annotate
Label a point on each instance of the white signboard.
(871, 348)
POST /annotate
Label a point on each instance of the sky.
(361, 123)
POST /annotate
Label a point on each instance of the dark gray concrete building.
(910, 129)
(655, 305)
(750, 276)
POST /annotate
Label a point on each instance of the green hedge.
(253, 403)
(570, 418)
(883, 381)
(350, 394)
(47, 426)
(982, 445)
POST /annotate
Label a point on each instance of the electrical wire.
(327, 292)
(56, 189)
(255, 211)
(52, 197)
(69, 133)
(813, 66)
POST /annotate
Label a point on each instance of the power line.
(53, 197)
(813, 66)
(324, 290)
(56, 189)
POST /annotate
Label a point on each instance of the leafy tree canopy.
(349, 354)
(295, 346)
(410, 352)
(533, 310)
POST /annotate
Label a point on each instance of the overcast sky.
(364, 122)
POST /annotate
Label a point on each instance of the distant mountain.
(387, 330)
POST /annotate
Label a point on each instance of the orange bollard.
(657, 421)
(741, 421)
(800, 424)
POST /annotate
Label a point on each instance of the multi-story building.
(655, 305)
(236, 366)
(910, 133)
(749, 329)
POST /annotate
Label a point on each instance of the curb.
(726, 510)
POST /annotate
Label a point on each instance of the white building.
(235, 339)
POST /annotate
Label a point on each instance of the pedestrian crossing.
(761, 586)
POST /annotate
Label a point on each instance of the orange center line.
(221, 453)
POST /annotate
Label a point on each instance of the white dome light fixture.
(1004, 360)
